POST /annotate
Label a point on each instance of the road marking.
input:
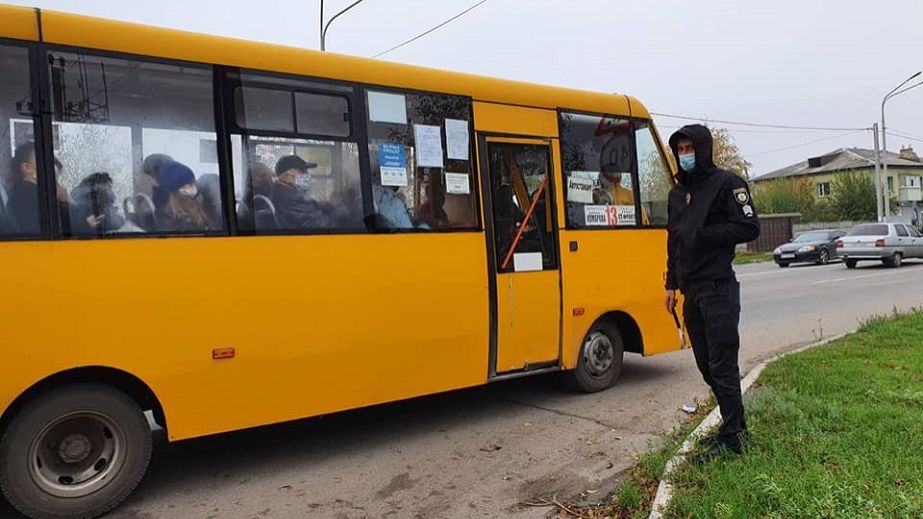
(835, 280)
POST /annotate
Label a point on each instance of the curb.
(665, 488)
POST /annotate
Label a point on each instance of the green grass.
(836, 432)
(744, 258)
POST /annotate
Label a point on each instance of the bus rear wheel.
(600, 361)
(75, 452)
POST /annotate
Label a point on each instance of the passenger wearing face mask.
(291, 195)
(177, 207)
(709, 213)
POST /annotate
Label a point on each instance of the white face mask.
(190, 191)
(304, 181)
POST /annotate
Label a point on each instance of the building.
(905, 174)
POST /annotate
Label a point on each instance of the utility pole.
(320, 31)
(323, 27)
(884, 136)
(877, 174)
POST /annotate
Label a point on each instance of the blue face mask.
(687, 161)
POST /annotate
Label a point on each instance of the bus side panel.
(319, 323)
(615, 270)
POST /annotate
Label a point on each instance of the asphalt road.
(481, 453)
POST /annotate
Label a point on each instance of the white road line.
(850, 278)
(789, 271)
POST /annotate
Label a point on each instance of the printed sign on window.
(595, 216)
(579, 190)
(393, 162)
(457, 184)
(609, 215)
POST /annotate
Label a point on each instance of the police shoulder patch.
(742, 196)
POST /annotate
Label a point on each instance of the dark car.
(810, 247)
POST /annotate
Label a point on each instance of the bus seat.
(264, 213)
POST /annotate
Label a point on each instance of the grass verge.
(836, 431)
(744, 258)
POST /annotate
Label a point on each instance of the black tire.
(783, 265)
(824, 257)
(604, 343)
(94, 422)
(895, 261)
(850, 263)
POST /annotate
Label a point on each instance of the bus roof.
(115, 36)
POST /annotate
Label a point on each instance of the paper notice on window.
(387, 108)
(456, 139)
(457, 184)
(595, 216)
(624, 214)
(527, 261)
(429, 145)
(393, 164)
(579, 190)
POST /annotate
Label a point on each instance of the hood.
(701, 139)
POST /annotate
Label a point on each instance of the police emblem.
(742, 196)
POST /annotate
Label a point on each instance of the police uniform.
(710, 212)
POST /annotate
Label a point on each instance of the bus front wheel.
(75, 452)
(600, 361)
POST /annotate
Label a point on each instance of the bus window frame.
(33, 63)
(44, 49)
(635, 173)
(472, 159)
(357, 135)
(655, 136)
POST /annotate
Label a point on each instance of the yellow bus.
(228, 234)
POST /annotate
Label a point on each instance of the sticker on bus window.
(579, 190)
(393, 163)
(457, 184)
(387, 108)
(624, 214)
(527, 261)
(428, 140)
(595, 215)
(456, 139)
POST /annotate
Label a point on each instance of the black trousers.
(712, 314)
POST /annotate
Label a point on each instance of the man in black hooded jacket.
(710, 212)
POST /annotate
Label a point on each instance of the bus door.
(525, 278)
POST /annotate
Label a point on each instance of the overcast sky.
(792, 62)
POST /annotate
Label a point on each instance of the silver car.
(889, 243)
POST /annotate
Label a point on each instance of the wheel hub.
(598, 353)
(74, 449)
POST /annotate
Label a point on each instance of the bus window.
(135, 144)
(653, 175)
(296, 162)
(19, 208)
(597, 154)
(419, 149)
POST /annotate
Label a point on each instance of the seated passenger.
(209, 199)
(146, 181)
(295, 209)
(94, 203)
(177, 208)
(390, 210)
(432, 213)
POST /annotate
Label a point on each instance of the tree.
(852, 196)
(726, 155)
(785, 195)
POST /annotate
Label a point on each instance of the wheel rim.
(897, 260)
(598, 354)
(824, 257)
(77, 454)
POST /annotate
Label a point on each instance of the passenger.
(178, 209)
(94, 203)
(208, 195)
(23, 194)
(146, 181)
(295, 209)
(431, 213)
(390, 210)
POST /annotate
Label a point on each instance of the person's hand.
(95, 221)
(61, 193)
(670, 301)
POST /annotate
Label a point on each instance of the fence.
(799, 228)
(775, 229)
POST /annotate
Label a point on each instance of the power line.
(903, 136)
(804, 144)
(767, 131)
(428, 31)
(760, 125)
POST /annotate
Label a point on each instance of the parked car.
(810, 247)
(889, 243)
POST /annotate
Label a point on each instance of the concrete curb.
(665, 488)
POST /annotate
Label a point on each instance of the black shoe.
(715, 451)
